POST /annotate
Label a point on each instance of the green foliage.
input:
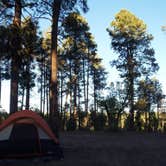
(128, 24)
(3, 37)
(149, 92)
(132, 43)
(29, 52)
(110, 106)
(75, 23)
(99, 74)
(81, 63)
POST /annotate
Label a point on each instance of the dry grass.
(106, 149)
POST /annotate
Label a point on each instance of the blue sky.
(152, 12)
(99, 17)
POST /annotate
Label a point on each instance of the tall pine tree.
(135, 55)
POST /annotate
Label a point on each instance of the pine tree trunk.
(94, 92)
(22, 100)
(0, 83)
(65, 110)
(41, 92)
(87, 88)
(47, 101)
(130, 62)
(44, 88)
(15, 61)
(84, 84)
(158, 117)
(61, 96)
(14, 86)
(54, 113)
(70, 90)
(75, 89)
(146, 120)
(27, 86)
(47, 93)
(131, 103)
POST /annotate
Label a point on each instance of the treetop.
(127, 23)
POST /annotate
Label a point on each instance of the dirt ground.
(106, 149)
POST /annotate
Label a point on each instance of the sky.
(152, 12)
(99, 17)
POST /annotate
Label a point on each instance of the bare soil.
(105, 149)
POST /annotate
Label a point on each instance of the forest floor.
(106, 149)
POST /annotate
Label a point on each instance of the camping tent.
(26, 134)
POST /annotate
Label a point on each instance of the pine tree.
(58, 8)
(136, 58)
(11, 10)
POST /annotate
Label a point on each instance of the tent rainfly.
(26, 134)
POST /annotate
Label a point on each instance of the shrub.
(98, 120)
(71, 124)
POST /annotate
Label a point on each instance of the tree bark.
(15, 60)
(41, 90)
(44, 87)
(131, 103)
(54, 113)
(84, 84)
(47, 91)
(0, 83)
(75, 90)
(27, 86)
(22, 100)
(94, 91)
(87, 88)
(130, 62)
(70, 89)
(61, 95)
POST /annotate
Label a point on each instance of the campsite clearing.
(106, 149)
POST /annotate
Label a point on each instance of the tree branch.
(47, 3)
(7, 4)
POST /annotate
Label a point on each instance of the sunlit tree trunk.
(15, 61)
(54, 113)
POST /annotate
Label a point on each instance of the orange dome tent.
(26, 134)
